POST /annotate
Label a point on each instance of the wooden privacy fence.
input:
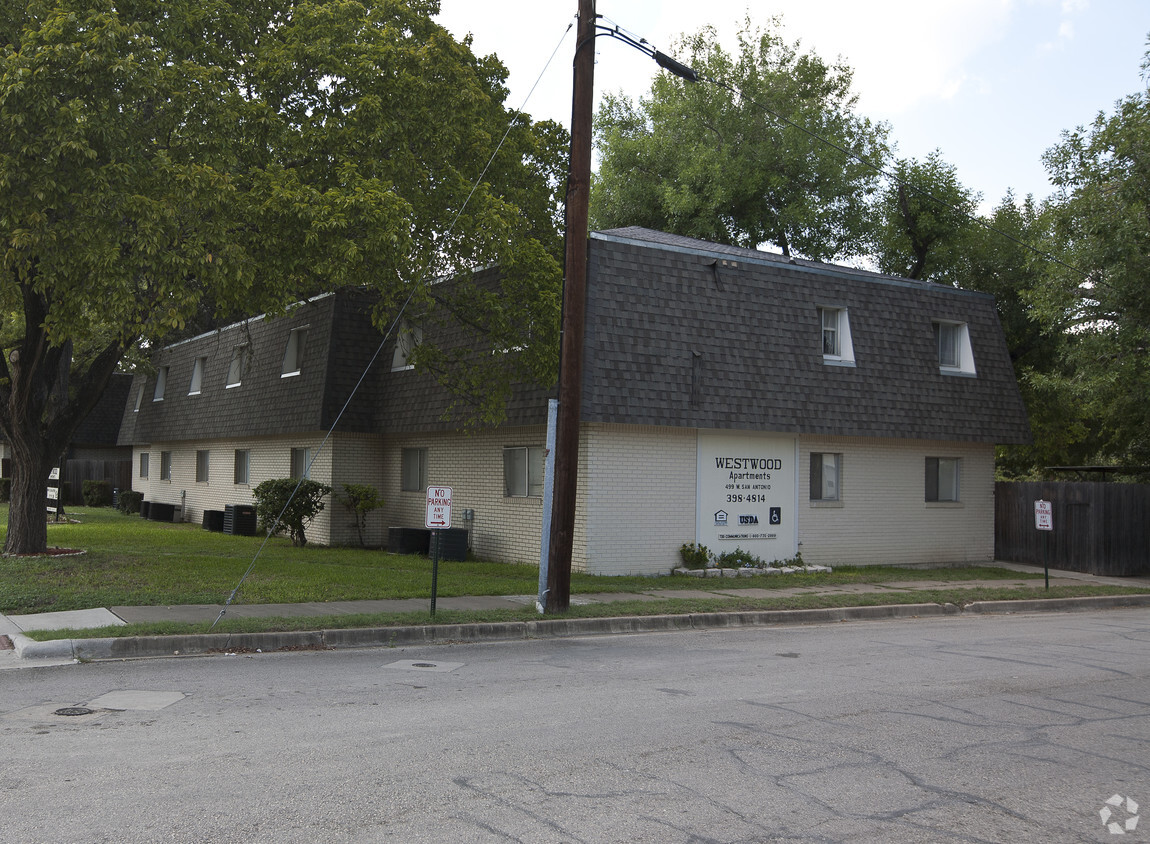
(1100, 528)
(117, 472)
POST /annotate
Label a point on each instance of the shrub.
(129, 502)
(299, 501)
(5, 489)
(737, 559)
(360, 499)
(694, 556)
(97, 493)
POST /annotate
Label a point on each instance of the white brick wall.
(882, 515)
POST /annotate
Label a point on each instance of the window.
(523, 472)
(836, 337)
(238, 367)
(143, 464)
(293, 354)
(139, 400)
(243, 465)
(413, 472)
(825, 471)
(300, 462)
(202, 460)
(161, 383)
(165, 465)
(942, 478)
(409, 337)
(197, 376)
(952, 340)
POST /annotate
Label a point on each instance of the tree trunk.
(27, 512)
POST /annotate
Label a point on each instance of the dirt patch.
(51, 552)
(6, 644)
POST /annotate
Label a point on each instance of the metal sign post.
(438, 518)
(1044, 521)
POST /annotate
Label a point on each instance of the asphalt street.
(957, 728)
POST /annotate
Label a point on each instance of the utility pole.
(574, 308)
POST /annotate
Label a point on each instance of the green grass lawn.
(131, 561)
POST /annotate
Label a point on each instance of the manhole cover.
(74, 710)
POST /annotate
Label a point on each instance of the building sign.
(438, 507)
(746, 493)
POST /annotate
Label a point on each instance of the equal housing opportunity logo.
(1119, 815)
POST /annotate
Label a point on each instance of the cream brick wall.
(882, 515)
(638, 485)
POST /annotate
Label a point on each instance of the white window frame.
(944, 480)
(413, 474)
(826, 485)
(242, 467)
(203, 465)
(140, 398)
(238, 365)
(523, 468)
(835, 320)
(197, 385)
(161, 383)
(166, 466)
(300, 462)
(952, 347)
(144, 459)
(294, 353)
(407, 338)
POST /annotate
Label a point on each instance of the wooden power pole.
(574, 307)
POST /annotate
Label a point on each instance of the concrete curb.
(135, 647)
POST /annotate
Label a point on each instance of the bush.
(360, 499)
(5, 489)
(694, 556)
(299, 501)
(129, 502)
(737, 559)
(97, 493)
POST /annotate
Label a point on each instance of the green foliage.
(360, 499)
(704, 161)
(289, 504)
(130, 501)
(97, 493)
(694, 556)
(738, 559)
(5, 488)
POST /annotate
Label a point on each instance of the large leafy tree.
(732, 159)
(164, 159)
(1100, 303)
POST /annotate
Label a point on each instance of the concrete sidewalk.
(26, 651)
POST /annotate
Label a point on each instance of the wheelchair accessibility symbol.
(776, 515)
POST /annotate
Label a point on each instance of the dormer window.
(294, 353)
(238, 366)
(836, 337)
(409, 337)
(197, 376)
(952, 341)
(161, 383)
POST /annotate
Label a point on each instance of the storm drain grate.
(424, 665)
(74, 710)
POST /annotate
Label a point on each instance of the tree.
(925, 214)
(1098, 300)
(714, 160)
(360, 500)
(289, 504)
(171, 160)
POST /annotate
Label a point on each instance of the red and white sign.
(1043, 515)
(438, 507)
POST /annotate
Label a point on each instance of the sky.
(992, 84)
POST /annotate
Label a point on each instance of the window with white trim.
(413, 470)
(826, 470)
(139, 399)
(165, 465)
(523, 472)
(836, 336)
(197, 384)
(942, 478)
(409, 336)
(143, 464)
(300, 462)
(238, 366)
(952, 341)
(161, 383)
(243, 464)
(293, 354)
(202, 462)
